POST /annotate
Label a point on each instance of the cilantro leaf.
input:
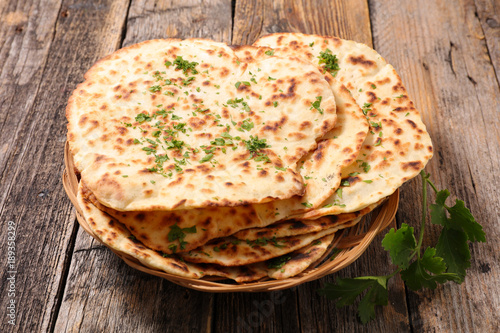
(452, 247)
(347, 290)
(417, 277)
(378, 295)
(462, 217)
(401, 244)
(438, 211)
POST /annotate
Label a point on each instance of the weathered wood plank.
(103, 293)
(488, 12)
(35, 199)
(260, 312)
(320, 314)
(26, 31)
(442, 56)
(150, 19)
(346, 19)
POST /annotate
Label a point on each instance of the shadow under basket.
(347, 246)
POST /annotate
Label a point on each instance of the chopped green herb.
(185, 65)
(316, 104)
(154, 89)
(247, 125)
(330, 60)
(254, 144)
(176, 233)
(207, 158)
(142, 117)
(278, 262)
(188, 81)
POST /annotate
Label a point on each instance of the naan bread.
(296, 227)
(116, 236)
(179, 124)
(231, 251)
(153, 228)
(397, 146)
(298, 261)
(156, 229)
(321, 168)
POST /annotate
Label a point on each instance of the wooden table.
(448, 54)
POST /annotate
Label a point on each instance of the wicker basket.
(351, 244)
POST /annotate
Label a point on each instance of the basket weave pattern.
(351, 243)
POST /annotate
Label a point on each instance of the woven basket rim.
(351, 246)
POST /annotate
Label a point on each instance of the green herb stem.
(393, 273)
(431, 184)
(425, 178)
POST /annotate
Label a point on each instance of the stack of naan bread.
(200, 159)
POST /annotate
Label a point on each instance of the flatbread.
(298, 261)
(180, 124)
(156, 229)
(296, 227)
(397, 146)
(230, 251)
(321, 168)
(116, 236)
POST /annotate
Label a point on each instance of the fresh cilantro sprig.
(419, 268)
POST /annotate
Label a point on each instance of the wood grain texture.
(103, 293)
(349, 20)
(442, 56)
(488, 12)
(150, 19)
(34, 196)
(26, 33)
(257, 312)
(346, 19)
